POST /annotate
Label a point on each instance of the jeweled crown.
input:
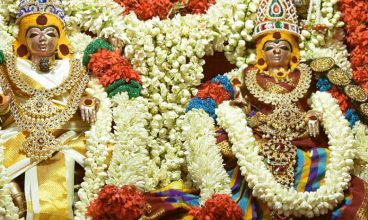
(27, 7)
(273, 15)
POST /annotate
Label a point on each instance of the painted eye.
(32, 35)
(51, 34)
(268, 48)
(285, 48)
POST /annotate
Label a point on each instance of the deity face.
(277, 54)
(42, 42)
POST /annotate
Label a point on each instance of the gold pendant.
(280, 155)
(286, 120)
(40, 145)
(39, 106)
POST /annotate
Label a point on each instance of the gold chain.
(41, 144)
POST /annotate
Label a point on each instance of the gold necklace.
(275, 98)
(40, 143)
(284, 124)
(14, 76)
(40, 105)
(280, 75)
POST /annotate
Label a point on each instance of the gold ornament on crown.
(276, 15)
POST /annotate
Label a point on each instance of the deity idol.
(288, 151)
(43, 86)
(276, 97)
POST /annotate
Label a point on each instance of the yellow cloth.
(51, 177)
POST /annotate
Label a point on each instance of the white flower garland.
(203, 153)
(131, 163)
(284, 200)
(98, 139)
(8, 210)
(360, 131)
(79, 43)
(327, 15)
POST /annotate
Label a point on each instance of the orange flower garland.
(342, 99)
(355, 16)
(147, 9)
(199, 6)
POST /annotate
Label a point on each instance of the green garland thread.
(133, 88)
(93, 48)
(2, 57)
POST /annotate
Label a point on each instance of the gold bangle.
(2, 102)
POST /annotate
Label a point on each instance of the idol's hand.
(313, 118)
(240, 100)
(88, 107)
(5, 99)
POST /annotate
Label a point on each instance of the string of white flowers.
(98, 139)
(203, 153)
(5, 36)
(131, 163)
(79, 42)
(327, 15)
(288, 201)
(360, 131)
(234, 22)
(8, 210)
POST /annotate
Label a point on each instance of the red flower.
(110, 66)
(147, 9)
(359, 56)
(214, 91)
(342, 99)
(217, 207)
(124, 203)
(355, 16)
(199, 6)
(360, 75)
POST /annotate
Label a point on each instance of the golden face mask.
(293, 56)
(36, 36)
(42, 42)
(277, 54)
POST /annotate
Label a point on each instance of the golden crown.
(276, 15)
(27, 7)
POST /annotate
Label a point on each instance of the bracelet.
(89, 102)
(2, 99)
